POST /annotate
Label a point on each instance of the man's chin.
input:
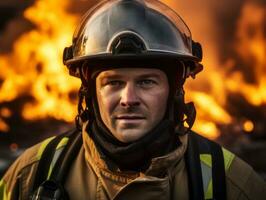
(130, 135)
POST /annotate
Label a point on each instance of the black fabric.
(199, 145)
(194, 169)
(218, 171)
(50, 190)
(137, 155)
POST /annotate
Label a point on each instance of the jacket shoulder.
(29, 156)
(23, 169)
(243, 182)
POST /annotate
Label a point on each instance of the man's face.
(132, 101)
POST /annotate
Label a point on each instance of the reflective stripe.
(206, 170)
(59, 149)
(209, 192)
(3, 192)
(63, 142)
(207, 159)
(228, 158)
(42, 147)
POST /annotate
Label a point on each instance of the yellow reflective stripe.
(208, 194)
(62, 143)
(42, 147)
(50, 172)
(3, 192)
(207, 159)
(228, 158)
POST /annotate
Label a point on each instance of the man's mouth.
(130, 117)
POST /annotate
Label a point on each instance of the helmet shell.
(122, 32)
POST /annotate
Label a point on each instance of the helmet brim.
(148, 60)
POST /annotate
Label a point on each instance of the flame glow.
(248, 126)
(35, 68)
(251, 47)
(216, 82)
(35, 65)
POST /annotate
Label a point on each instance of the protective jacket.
(93, 176)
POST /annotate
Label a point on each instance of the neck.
(135, 156)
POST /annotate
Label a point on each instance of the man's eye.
(114, 83)
(146, 82)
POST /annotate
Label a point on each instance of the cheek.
(160, 103)
(157, 102)
(106, 103)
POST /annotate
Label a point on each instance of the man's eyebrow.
(110, 76)
(150, 75)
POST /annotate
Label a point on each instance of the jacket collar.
(159, 166)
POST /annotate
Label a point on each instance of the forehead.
(132, 73)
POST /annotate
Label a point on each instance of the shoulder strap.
(47, 157)
(218, 172)
(206, 171)
(63, 163)
(52, 188)
(194, 170)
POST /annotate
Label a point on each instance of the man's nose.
(129, 96)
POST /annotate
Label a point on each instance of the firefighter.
(131, 141)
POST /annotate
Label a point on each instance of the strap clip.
(50, 190)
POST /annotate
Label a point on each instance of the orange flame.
(35, 67)
(210, 90)
(251, 47)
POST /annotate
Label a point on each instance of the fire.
(5, 112)
(250, 45)
(248, 126)
(34, 67)
(3, 126)
(212, 87)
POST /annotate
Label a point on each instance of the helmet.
(132, 32)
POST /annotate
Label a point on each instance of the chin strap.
(185, 113)
(188, 113)
(84, 113)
